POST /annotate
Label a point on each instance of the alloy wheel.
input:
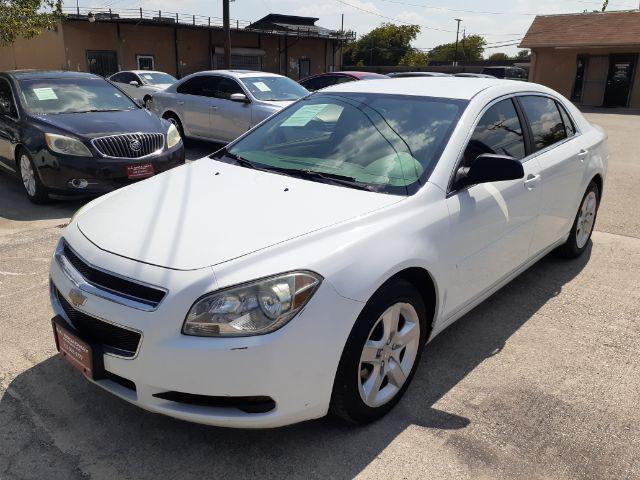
(28, 175)
(389, 354)
(586, 219)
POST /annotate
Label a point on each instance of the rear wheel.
(33, 187)
(583, 224)
(381, 354)
(172, 118)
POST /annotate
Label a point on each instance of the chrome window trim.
(57, 308)
(450, 191)
(86, 286)
(152, 154)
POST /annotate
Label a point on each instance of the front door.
(619, 79)
(492, 223)
(8, 125)
(229, 119)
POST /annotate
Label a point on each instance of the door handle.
(180, 103)
(213, 107)
(532, 181)
(582, 154)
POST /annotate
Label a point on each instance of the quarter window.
(499, 132)
(566, 119)
(545, 120)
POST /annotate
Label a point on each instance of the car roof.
(238, 73)
(50, 74)
(139, 72)
(441, 87)
(419, 74)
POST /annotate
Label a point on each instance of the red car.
(322, 80)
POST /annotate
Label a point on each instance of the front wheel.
(33, 187)
(176, 122)
(381, 354)
(583, 224)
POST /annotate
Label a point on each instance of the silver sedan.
(221, 105)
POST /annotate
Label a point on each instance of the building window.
(102, 62)
(304, 67)
(240, 62)
(146, 62)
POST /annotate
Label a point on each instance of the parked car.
(323, 80)
(473, 75)
(301, 269)
(221, 105)
(75, 133)
(510, 73)
(142, 84)
(417, 74)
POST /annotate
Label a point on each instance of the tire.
(583, 224)
(28, 174)
(173, 118)
(354, 398)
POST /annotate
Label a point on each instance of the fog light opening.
(78, 183)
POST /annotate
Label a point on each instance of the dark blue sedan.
(75, 133)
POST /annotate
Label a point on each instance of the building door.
(304, 67)
(619, 79)
(104, 63)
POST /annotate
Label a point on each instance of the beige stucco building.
(106, 43)
(591, 58)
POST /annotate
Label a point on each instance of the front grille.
(125, 145)
(112, 338)
(132, 290)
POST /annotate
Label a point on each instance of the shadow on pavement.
(53, 419)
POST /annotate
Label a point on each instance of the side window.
(498, 131)
(343, 79)
(544, 117)
(193, 86)
(6, 97)
(566, 119)
(116, 78)
(223, 88)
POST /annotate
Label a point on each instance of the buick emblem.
(77, 298)
(135, 145)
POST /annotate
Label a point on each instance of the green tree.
(469, 48)
(498, 56)
(414, 58)
(27, 18)
(384, 45)
(522, 55)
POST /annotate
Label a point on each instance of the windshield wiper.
(93, 110)
(243, 162)
(335, 178)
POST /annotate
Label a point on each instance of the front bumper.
(102, 174)
(294, 366)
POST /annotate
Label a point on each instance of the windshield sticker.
(147, 76)
(304, 115)
(46, 93)
(263, 87)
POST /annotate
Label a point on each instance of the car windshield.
(274, 88)
(157, 78)
(382, 143)
(72, 95)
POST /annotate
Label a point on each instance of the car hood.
(277, 103)
(209, 212)
(98, 124)
(159, 86)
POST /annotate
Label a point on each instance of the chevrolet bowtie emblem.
(77, 298)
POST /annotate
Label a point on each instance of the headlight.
(66, 145)
(173, 136)
(251, 309)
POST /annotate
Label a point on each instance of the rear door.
(194, 102)
(229, 119)
(8, 125)
(492, 223)
(561, 155)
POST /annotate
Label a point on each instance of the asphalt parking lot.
(540, 381)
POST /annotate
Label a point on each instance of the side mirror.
(489, 167)
(134, 83)
(239, 97)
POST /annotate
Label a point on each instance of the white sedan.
(142, 84)
(221, 105)
(302, 269)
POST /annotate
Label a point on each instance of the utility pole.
(455, 55)
(227, 34)
(464, 50)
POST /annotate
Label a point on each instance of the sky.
(502, 22)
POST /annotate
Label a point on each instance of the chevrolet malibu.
(302, 269)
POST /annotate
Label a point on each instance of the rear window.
(545, 120)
